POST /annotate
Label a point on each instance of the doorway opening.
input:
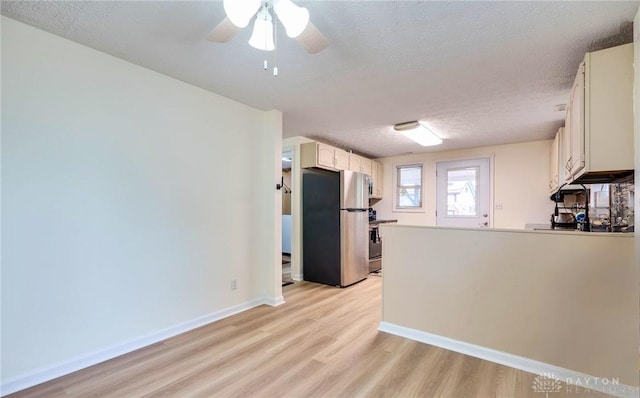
(287, 222)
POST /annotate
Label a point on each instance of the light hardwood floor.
(286, 269)
(323, 342)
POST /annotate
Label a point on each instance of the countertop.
(376, 222)
(547, 227)
(557, 232)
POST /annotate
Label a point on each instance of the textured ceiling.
(478, 73)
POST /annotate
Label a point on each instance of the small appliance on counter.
(372, 214)
(568, 203)
(565, 220)
(375, 243)
(595, 207)
(612, 207)
(621, 213)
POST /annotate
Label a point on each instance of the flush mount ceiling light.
(294, 18)
(418, 133)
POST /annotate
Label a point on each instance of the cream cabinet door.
(554, 165)
(608, 106)
(359, 164)
(355, 163)
(379, 180)
(565, 147)
(376, 179)
(365, 166)
(341, 159)
(576, 159)
(326, 156)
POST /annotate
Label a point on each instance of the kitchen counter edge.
(522, 231)
(377, 222)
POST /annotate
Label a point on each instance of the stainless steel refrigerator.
(335, 227)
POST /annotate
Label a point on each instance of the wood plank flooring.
(286, 270)
(323, 342)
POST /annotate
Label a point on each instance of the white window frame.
(396, 207)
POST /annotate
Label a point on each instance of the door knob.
(485, 215)
(484, 224)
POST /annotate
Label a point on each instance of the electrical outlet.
(234, 284)
(499, 206)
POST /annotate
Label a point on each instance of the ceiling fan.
(294, 18)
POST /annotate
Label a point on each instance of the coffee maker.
(571, 209)
(372, 214)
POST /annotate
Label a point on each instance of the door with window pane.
(463, 193)
(409, 187)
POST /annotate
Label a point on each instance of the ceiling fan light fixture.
(418, 132)
(294, 18)
(262, 36)
(240, 12)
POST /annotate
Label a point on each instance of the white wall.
(636, 123)
(520, 181)
(120, 218)
(266, 169)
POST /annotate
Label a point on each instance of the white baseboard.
(83, 361)
(579, 380)
(296, 277)
(274, 302)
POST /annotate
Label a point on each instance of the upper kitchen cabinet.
(554, 166)
(376, 179)
(316, 154)
(574, 160)
(359, 164)
(599, 121)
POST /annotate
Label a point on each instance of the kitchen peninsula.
(541, 301)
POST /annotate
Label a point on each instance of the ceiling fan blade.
(312, 40)
(223, 32)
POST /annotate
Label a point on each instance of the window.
(408, 183)
(462, 192)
